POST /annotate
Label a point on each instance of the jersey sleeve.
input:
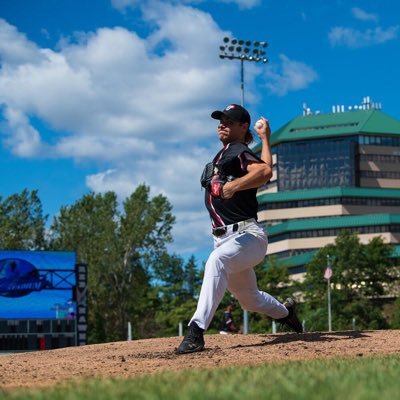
(248, 157)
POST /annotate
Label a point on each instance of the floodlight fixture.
(243, 50)
(234, 49)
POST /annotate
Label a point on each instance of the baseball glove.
(216, 187)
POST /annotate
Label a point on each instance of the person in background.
(227, 324)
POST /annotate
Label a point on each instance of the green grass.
(352, 378)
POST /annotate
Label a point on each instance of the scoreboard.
(43, 300)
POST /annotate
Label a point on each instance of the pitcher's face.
(231, 131)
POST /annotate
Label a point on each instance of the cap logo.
(230, 107)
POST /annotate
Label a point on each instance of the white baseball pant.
(231, 266)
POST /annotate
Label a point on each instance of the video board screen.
(37, 284)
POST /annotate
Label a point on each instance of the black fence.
(33, 334)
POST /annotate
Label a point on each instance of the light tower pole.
(243, 50)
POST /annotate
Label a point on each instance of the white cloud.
(138, 106)
(25, 141)
(363, 15)
(122, 5)
(290, 75)
(353, 38)
(14, 46)
(244, 4)
(175, 175)
(102, 148)
(112, 83)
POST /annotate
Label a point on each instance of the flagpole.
(329, 300)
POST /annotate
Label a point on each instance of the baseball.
(259, 123)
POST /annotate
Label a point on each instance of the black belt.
(221, 230)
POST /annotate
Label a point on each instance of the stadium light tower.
(243, 50)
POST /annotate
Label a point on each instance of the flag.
(328, 271)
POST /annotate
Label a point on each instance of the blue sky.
(107, 94)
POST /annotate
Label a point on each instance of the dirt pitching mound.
(138, 357)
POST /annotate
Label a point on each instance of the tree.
(89, 227)
(273, 278)
(178, 288)
(121, 249)
(192, 279)
(395, 321)
(360, 274)
(22, 223)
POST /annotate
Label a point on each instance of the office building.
(332, 171)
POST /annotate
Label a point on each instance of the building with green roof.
(332, 172)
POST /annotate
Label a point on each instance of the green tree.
(273, 278)
(192, 279)
(22, 223)
(121, 249)
(395, 320)
(89, 227)
(178, 288)
(360, 274)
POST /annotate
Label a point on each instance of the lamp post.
(243, 50)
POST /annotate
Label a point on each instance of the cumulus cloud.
(25, 140)
(175, 175)
(113, 84)
(353, 38)
(289, 75)
(138, 106)
(14, 46)
(122, 5)
(244, 4)
(363, 15)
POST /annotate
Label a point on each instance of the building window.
(379, 140)
(381, 158)
(394, 228)
(316, 163)
(348, 201)
(380, 174)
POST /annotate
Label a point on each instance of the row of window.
(382, 158)
(378, 140)
(380, 174)
(318, 128)
(395, 228)
(375, 140)
(288, 184)
(353, 201)
(291, 253)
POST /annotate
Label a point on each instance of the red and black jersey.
(230, 163)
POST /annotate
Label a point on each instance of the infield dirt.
(138, 357)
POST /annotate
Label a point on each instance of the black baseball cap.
(234, 112)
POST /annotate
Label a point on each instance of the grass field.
(349, 378)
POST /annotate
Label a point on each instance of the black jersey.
(231, 162)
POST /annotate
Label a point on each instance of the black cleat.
(291, 321)
(193, 340)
